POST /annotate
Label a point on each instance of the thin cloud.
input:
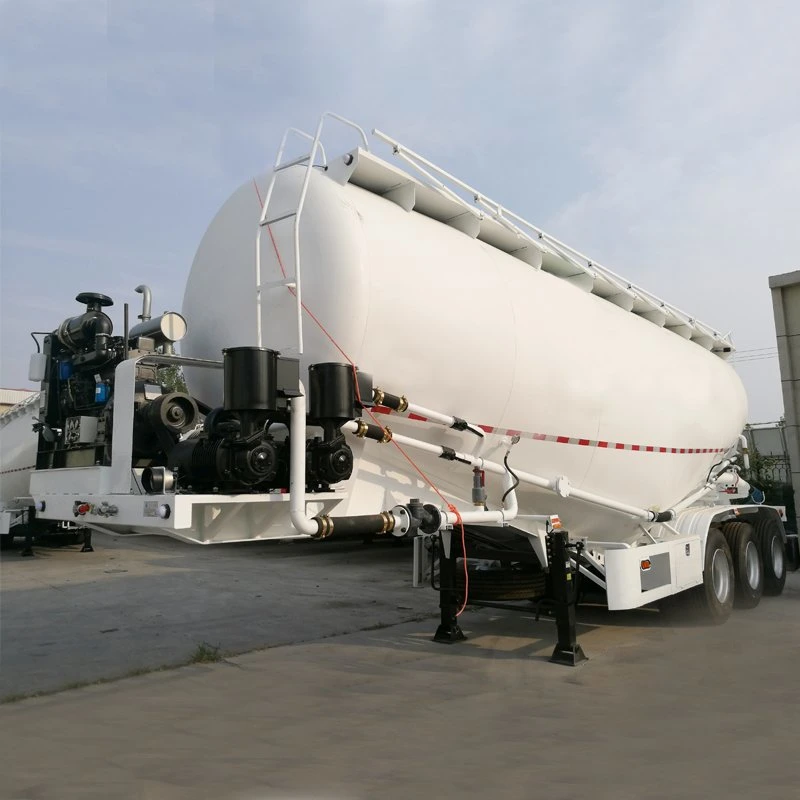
(659, 139)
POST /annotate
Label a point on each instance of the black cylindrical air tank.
(251, 379)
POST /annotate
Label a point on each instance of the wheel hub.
(752, 565)
(721, 576)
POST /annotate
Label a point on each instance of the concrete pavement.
(141, 603)
(658, 712)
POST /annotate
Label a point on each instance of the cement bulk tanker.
(468, 321)
(375, 348)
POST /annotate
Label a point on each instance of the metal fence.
(769, 465)
(768, 470)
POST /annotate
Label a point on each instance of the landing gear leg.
(567, 650)
(449, 630)
(87, 541)
(27, 547)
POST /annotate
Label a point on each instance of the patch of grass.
(14, 698)
(205, 653)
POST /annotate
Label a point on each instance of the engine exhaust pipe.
(147, 302)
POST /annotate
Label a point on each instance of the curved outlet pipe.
(147, 302)
(297, 467)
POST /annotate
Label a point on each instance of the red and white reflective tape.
(599, 443)
(19, 469)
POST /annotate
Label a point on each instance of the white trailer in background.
(404, 356)
(17, 461)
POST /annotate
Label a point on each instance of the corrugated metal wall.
(786, 307)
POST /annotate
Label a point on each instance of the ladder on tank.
(293, 283)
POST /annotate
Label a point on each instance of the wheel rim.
(721, 576)
(777, 557)
(752, 565)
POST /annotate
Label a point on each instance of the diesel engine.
(178, 444)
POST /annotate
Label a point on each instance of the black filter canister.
(250, 379)
(330, 391)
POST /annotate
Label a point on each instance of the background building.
(786, 308)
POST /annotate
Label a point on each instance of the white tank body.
(621, 407)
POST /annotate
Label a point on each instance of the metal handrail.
(504, 215)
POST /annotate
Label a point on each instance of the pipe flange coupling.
(361, 428)
(377, 396)
(663, 516)
(387, 436)
(403, 404)
(325, 527)
(388, 522)
(563, 486)
(402, 522)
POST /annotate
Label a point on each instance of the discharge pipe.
(745, 451)
(709, 487)
(297, 468)
(560, 485)
(400, 404)
(506, 514)
(323, 526)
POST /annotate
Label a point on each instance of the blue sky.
(661, 138)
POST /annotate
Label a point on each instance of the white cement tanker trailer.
(399, 355)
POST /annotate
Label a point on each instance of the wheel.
(6, 541)
(792, 553)
(771, 543)
(712, 600)
(748, 569)
(501, 584)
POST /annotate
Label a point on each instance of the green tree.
(172, 378)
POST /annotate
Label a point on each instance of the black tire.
(748, 566)
(792, 553)
(710, 602)
(6, 541)
(502, 584)
(772, 544)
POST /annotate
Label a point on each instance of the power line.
(759, 350)
(752, 358)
